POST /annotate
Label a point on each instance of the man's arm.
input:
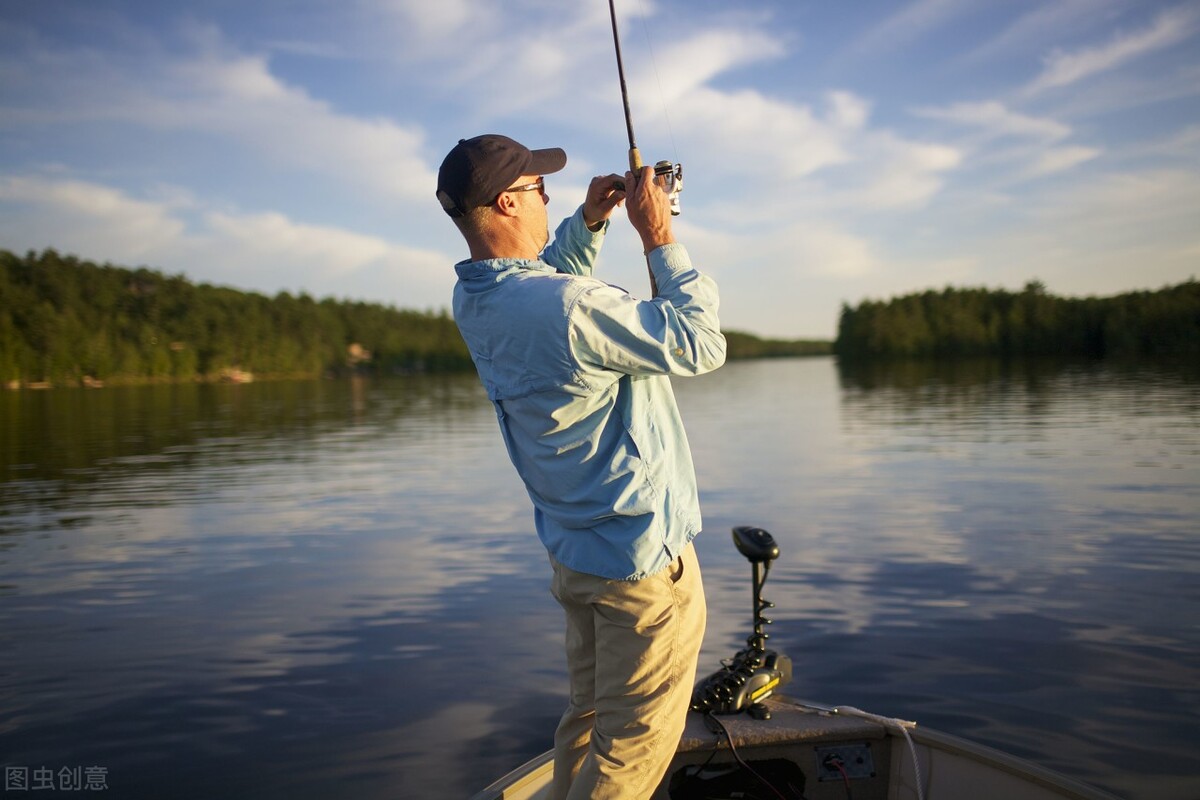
(578, 238)
(575, 248)
(676, 333)
(650, 214)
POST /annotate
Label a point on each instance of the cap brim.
(546, 161)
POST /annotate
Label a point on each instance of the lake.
(331, 588)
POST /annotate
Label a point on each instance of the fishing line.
(666, 174)
(662, 96)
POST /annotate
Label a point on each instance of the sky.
(832, 152)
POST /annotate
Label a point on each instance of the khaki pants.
(631, 657)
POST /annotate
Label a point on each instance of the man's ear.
(507, 204)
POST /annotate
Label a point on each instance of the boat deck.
(809, 751)
(790, 724)
(795, 734)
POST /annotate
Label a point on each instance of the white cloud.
(427, 22)
(487, 61)
(238, 97)
(909, 23)
(1100, 234)
(688, 64)
(1126, 90)
(774, 274)
(995, 119)
(1059, 159)
(773, 144)
(208, 89)
(273, 238)
(1038, 150)
(746, 132)
(1042, 24)
(830, 251)
(1184, 143)
(790, 250)
(848, 112)
(269, 250)
(264, 251)
(1064, 68)
(568, 74)
(84, 216)
(903, 174)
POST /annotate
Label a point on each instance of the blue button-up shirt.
(577, 371)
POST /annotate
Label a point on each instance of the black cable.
(738, 757)
(693, 773)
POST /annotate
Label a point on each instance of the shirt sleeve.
(676, 333)
(575, 248)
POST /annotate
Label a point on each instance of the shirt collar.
(494, 266)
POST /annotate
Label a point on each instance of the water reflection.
(976, 546)
(286, 564)
(331, 588)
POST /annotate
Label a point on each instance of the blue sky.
(832, 151)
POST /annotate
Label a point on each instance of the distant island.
(69, 322)
(994, 322)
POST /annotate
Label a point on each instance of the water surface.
(331, 589)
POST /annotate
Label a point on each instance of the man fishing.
(578, 373)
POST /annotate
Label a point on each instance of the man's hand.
(649, 209)
(603, 196)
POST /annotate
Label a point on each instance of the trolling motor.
(755, 672)
(667, 175)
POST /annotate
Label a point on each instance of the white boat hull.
(807, 735)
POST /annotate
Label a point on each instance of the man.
(577, 371)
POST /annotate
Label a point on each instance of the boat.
(816, 752)
(748, 741)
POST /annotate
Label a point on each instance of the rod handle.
(635, 166)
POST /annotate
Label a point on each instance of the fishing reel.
(754, 673)
(670, 177)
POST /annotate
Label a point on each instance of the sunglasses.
(539, 185)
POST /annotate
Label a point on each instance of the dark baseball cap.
(479, 169)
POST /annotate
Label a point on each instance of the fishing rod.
(668, 175)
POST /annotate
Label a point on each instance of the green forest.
(69, 322)
(995, 322)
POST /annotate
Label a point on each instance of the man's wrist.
(649, 245)
(592, 226)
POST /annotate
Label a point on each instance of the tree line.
(746, 345)
(65, 321)
(1031, 322)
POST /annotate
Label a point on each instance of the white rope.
(892, 722)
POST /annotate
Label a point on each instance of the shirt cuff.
(588, 231)
(671, 257)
